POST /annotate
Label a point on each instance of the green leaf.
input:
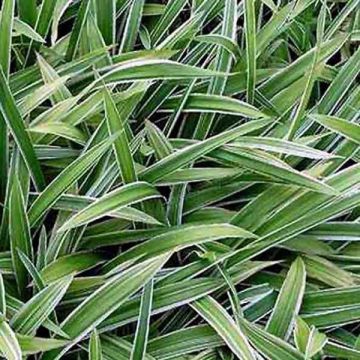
(156, 151)
(216, 316)
(345, 128)
(24, 29)
(178, 239)
(327, 272)
(280, 146)
(289, 301)
(50, 76)
(77, 29)
(76, 203)
(98, 306)
(65, 180)
(123, 196)
(269, 345)
(308, 340)
(214, 104)
(61, 130)
(223, 62)
(132, 26)
(153, 69)
(2, 296)
(270, 166)
(30, 267)
(250, 36)
(158, 141)
(33, 313)
(70, 264)
(6, 26)
(15, 123)
(33, 345)
(191, 153)
(20, 238)
(172, 10)
(106, 19)
(60, 8)
(223, 41)
(116, 124)
(95, 347)
(27, 11)
(142, 331)
(9, 345)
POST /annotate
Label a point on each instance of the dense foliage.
(179, 179)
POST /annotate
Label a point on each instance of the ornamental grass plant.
(179, 179)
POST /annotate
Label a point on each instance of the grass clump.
(179, 179)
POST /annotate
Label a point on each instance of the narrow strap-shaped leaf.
(95, 346)
(9, 345)
(132, 26)
(30, 267)
(280, 146)
(142, 331)
(77, 203)
(223, 63)
(193, 152)
(50, 75)
(250, 35)
(334, 25)
(104, 301)
(207, 103)
(41, 94)
(339, 86)
(289, 301)
(16, 125)
(60, 8)
(27, 11)
(2, 296)
(6, 27)
(178, 239)
(216, 316)
(16, 169)
(61, 130)
(43, 22)
(118, 347)
(106, 19)
(115, 124)
(65, 180)
(282, 234)
(20, 238)
(153, 69)
(33, 313)
(114, 200)
(172, 10)
(171, 294)
(269, 345)
(158, 141)
(41, 251)
(298, 68)
(44, 17)
(223, 41)
(308, 340)
(24, 29)
(77, 29)
(70, 264)
(270, 166)
(343, 127)
(335, 350)
(300, 110)
(15, 305)
(32, 345)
